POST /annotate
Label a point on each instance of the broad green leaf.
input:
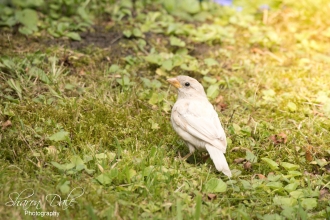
(213, 91)
(101, 156)
(65, 188)
(76, 160)
(63, 167)
(58, 166)
(73, 36)
(156, 98)
(210, 80)
(39, 74)
(246, 130)
(14, 84)
(275, 185)
(251, 157)
(294, 173)
(322, 97)
(170, 5)
(269, 93)
(190, 6)
(89, 171)
(182, 51)
(130, 173)
(273, 178)
(124, 81)
(167, 65)
(104, 179)
(80, 167)
(291, 187)
(130, 60)
(27, 30)
(126, 3)
(284, 201)
(178, 60)
(289, 166)
(321, 162)
(272, 164)
(113, 173)
(309, 203)
(156, 84)
(246, 184)
(289, 212)
(211, 62)
(27, 17)
(154, 59)
(127, 33)
(154, 125)
(137, 32)
(299, 193)
(111, 156)
(205, 71)
(174, 41)
(215, 185)
(237, 128)
(28, 3)
(292, 107)
(272, 217)
(114, 68)
(60, 136)
(148, 170)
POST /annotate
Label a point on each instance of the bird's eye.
(187, 84)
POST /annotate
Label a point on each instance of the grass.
(95, 121)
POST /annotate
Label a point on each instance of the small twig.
(30, 149)
(231, 117)
(116, 39)
(178, 189)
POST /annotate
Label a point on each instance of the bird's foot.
(205, 157)
(185, 157)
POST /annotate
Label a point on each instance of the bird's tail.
(219, 159)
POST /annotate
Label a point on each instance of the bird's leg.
(187, 156)
(191, 151)
(205, 157)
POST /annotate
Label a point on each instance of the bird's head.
(187, 87)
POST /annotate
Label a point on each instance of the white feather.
(219, 159)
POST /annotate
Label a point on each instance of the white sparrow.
(195, 120)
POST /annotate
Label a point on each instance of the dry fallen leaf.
(52, 150)
(324, 194)
(271, 174)
(257, 50)
(247, 165)
(6, 124)
(317, 113)
(239, 160)
(309, 174)
(261, 176)
(279, 138)
(239, 149)
(100, 168)
(211, 196)
(309, 154)
(327, 168)
(220, 103)
(82, 72)
(219, 99)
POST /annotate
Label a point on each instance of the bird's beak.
(174, 82)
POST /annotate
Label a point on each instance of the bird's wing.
(201, 120)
